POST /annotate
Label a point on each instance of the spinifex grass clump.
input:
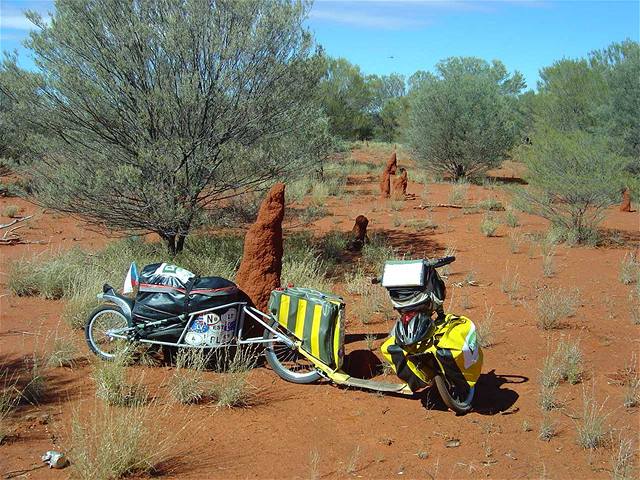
(549, 379)
(630, 269)
(9, 399)
(591, 430)
(113, 386)
(568, 358)
(232, 387)
(376, 253)
(63, 352)
(484, 330)
(35, 384)
(113, 442)
(488, 225)
(554, 304)
(187, 384)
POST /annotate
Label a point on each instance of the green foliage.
(574, 176)
(151, 113)
(362, 107)
(346, 99)
(461, 120)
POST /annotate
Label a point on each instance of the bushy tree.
(461, 120)
(346, 99)
(150, 113)
(573, 177)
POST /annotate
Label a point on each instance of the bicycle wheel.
(101, 321)
(452, 399)
(287, 362)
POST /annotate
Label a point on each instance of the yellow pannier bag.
(455, 348)
(314, 317)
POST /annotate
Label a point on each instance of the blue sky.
(404, 36)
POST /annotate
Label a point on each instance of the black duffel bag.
(167, 291)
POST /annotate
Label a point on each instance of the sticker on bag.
(470, 348)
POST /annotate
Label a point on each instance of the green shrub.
(574, 177)
(459, 121)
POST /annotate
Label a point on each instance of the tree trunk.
(180, 243)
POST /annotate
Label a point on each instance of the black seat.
(109, 290)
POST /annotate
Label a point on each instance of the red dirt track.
(357, 433)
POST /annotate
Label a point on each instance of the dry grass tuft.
(554, 304)
(314, 465)
(511, 219)
(484, 330)
(36, 386)
(622, 460)
(547, 428)
(591, 431)
(63, 353)
(187, 384)
(114, 443)
(549, 380)
(9, 399)
(548, 264)
(515, 241)
(568, 358)
(510, 284)
(631, 384)
(488, 225)
(10, 211)
(232, 388)
(458, 194)
(352, 462)
(630, 269)
(112, 385)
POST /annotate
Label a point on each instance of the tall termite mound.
(625, 206)
(400, 185)
(359, 234)
(385, 177)
(261, 265)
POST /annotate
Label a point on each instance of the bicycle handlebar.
(434, 263)
(440, 262)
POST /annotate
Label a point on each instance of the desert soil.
(353, 433)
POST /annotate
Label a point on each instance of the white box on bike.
(403, 273)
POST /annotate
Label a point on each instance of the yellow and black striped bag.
(314, 317)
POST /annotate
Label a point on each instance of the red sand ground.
(369, 435)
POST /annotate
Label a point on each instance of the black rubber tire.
(88, 329)
(458, 406)
(282, 371)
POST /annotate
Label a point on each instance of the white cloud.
(363, 19)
